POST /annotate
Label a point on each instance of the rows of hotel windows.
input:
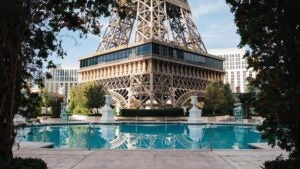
(63, 75)
(233, 61)
(235, 79)
(58, 87)
(147, 49)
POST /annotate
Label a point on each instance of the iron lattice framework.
(154, 57)
(163, 20)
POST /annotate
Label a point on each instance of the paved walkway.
(149, 159)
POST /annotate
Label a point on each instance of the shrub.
(44, 114)
(152, 112)
(95, 114)
(280, 163)
(80, 110)
(28, 163)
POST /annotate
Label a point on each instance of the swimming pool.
(143, 136)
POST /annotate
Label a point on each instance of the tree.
(271, 30)
(227, 106)
(225, 99)
(86, 97)
(247, 100)
(95, 96)
(78, 100)
(52, 100)
(214, 97)
(28, 35)
(30, 104)
(46, 100)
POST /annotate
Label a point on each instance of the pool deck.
(148, 159)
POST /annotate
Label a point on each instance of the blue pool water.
(143, 136)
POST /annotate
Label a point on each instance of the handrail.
(211, 137)
(89, 136)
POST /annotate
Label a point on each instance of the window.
(171, 52)
(238, 78)
(161, 50)
(232, 81)
(180, 54)
(145, 49)
(226, 78)
(155, 49)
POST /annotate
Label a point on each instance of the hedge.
(175, 112)
(280, 163)
(95, 115)
(28, 163)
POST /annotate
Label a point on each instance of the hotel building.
(63, 78)
(235, 67)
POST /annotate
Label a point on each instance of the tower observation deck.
(152, 58)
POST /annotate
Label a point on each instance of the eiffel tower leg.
(194, 39)
(150, 17)
(118, 31)
(151, 91)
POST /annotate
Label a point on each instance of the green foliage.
(85, 97)
(175, 112)
(77, 102)
(95, 115)
(270, 29)
(80, 110)
(29, 33)
(280, 163)
(28, 163)
(214, 97)
(95, 96)
(30, 104)
(53, 101)
(218, 99)
(227, 107)
(247, 100)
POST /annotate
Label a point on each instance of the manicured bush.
(280, 163)
(95, 114)
(48, 114)
(175, 112)
(28, 163)
(81, 110)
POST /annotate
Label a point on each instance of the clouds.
(204, 7)
(215, 23)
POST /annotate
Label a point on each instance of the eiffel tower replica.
(152, 58)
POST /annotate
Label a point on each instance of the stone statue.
(195, 113)
(107, 111)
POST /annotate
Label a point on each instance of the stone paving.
(150, 159)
